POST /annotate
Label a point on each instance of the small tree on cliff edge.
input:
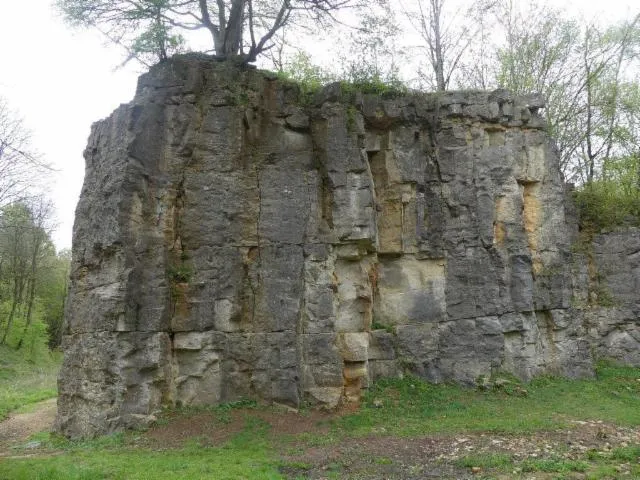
(239, 29)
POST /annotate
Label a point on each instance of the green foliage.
(487, 460)
(606, 204)
(412, 407)
(409, 407)
(308, 77)
(352, 113)
(33, 278)
(554, 465)
(535, 55)
(311, 78)
(369, 63)
(26, 377)
(52, 292)
(35, 338)
(583, 70)
(630, 453)
(379, 326)
(603, 296)
(226, 463)
(142, 28)
(386, 88)
(243, 403)
(246, 455)
(157, 40)
(239, 31)
(222, 412)
(180, 273)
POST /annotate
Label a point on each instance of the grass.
(26, 381)
(594, 465)
(192, 463)
(491, 460)
(595, 468)
(247, 455)
(412, 407)
(409, 408)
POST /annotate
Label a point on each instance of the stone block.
(381, 345)
(328, 397)
(188, 341)
(354, 346)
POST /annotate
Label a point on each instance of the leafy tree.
(32, 282)
(16, 222)
(606, 55)
(240, 29)
(580, 69)
(52, 292)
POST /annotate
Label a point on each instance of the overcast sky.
(62, 81)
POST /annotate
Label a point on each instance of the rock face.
(610, 305)
(236, 240)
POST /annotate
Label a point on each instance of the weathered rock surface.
(232, 241)
(610, 305)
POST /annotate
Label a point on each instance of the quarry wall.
(237, 239)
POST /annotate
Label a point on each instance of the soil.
(389, 457)
(20, 426)
(213, 430)
(386, 457)
(379, 456)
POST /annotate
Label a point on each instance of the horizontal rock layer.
(236, 240)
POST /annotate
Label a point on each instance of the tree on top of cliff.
(240, 29)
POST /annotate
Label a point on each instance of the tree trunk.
(438, 54)
(589, 127)
(14, 305)
(233, 31)
(32, 291)
(37, 243)
(217, 32)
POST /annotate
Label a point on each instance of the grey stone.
(231, 243)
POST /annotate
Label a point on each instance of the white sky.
(62, 81)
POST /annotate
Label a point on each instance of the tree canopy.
(33, 278)
(240, 29)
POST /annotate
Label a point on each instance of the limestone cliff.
(233, 240)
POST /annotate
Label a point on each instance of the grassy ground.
(24, 381)
(548, 429)
(618, 463)
(417, 408)
(117, 457)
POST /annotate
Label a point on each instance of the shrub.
(606, 204)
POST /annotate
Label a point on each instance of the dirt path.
(18, 427)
